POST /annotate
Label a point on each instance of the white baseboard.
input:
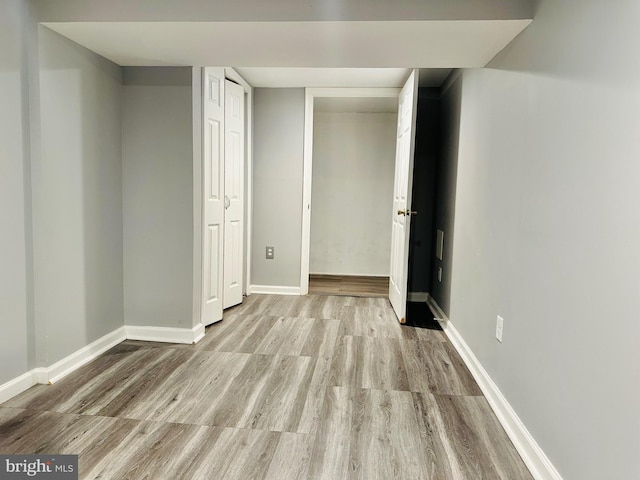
(80, 357)
(537, 462)
(17, 385)
(83, 356)
(198, 333)
(274, 290)
(61, 368)
(40, 375)
(334, 274)
(165, 334)
(421, 297)
(436, 310)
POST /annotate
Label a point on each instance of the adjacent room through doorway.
(354, 142)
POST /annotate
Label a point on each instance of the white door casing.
(233, 194)
(310, 95)
(213, 194)
(401, 217)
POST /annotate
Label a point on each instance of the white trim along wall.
(273, 290)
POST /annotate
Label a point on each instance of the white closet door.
(213, 194)
(234, 193)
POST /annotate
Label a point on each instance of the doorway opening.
(352, 140)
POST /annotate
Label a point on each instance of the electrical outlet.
(499, 327)
(270, 253)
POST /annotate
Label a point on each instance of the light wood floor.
(315, 387)
(351, 285)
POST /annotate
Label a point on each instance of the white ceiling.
(290, 53)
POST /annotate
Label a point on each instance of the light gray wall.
(352, 193)
(547, 232)
(158, 197)
(14, 187)
(277, 185)
(77, 199)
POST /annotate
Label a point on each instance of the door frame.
(310, 95)
(198, 165)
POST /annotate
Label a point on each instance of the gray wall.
(445, 193)
(157, 193)
(254, 10)
(14, 188)
(61, 189)
(352, 192)
(547, 232)
(77, 199)
(277, 185)
(427, 155)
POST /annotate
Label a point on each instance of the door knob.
(407, 212)
(227, 202)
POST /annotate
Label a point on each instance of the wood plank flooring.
(314, 387)
(351, 285)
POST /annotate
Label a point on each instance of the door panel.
(234, 194)
(401, 216)
(213, 197)
(212, 247)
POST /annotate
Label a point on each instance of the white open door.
(213, 194)
(401, 215)
(234, 193)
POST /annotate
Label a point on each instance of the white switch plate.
(499, 327)
(439, 244)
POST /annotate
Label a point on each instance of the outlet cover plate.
(499, 328)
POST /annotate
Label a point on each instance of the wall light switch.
(439, 244)
(270, 253)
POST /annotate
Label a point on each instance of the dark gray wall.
(434, 190)
(157, 161)
(277, 185)
(427, 152)
(445, 193)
